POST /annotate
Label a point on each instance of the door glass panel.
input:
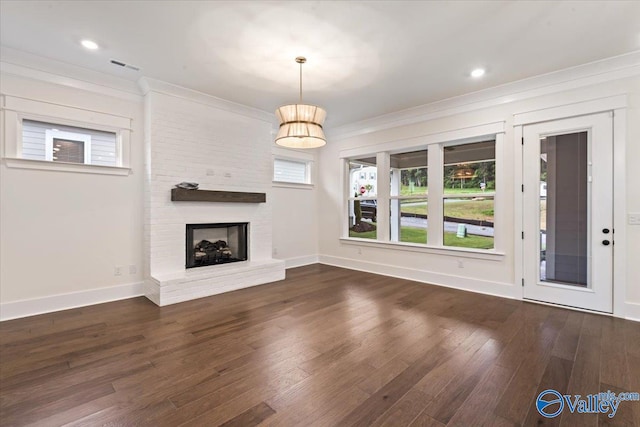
(564, 197)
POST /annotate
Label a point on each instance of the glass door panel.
(564, 201)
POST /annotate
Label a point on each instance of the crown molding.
(614, 68)
(26, 65)
(22, 64)
(147, 85)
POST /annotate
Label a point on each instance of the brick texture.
(221, 150)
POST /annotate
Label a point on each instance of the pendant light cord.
(300, 82)
(301, 60)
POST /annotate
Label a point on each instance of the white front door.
(568, 212)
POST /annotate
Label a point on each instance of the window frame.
(486, 194)
(286, 154)
(435, 144)
(307, 171)
(15, 110)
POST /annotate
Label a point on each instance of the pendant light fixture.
(301, 124)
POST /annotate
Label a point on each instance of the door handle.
(606, 242)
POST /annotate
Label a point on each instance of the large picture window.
(459, 212)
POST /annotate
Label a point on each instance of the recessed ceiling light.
(478, 72)
(89, 44)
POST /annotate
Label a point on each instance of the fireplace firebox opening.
(213, 244)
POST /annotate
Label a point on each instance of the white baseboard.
(505, 290)
(300, 261)
(632, 311)
(32, 307)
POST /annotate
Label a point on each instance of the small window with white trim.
(68, 144)
(291, 171)
(46, 136)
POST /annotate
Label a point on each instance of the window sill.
(13, 162)
(490, 255)
(282, 184)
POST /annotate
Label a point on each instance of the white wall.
(295, 212)
(495, 276)
(65, 232)
(633, 196)
(295, 225)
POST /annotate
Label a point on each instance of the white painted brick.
(185, 139)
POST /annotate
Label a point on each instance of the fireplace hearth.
(216, 243)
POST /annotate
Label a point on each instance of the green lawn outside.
(422, 210)
(414, 206)
(419, 235)
(413, 235)
(405, 190)
(471, 241)
(481, 210)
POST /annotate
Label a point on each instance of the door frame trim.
(617, 106)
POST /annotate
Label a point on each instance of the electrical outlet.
(460, 263)
(117, 271)
(133, 269)
(633, 218)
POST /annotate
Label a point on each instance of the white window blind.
(291, 171)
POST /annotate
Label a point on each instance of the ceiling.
(365, 59)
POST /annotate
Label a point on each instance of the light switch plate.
(633, 218)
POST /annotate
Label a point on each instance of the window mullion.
(48, 148)
(13, 134)
(345, 200)
(435, 201)
(384, 190)
(87, 151)
(498, 199)
(395, 210)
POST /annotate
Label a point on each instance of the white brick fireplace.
(223, 146)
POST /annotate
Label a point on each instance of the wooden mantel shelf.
(182, 195)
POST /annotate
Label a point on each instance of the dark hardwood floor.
(325, 347)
